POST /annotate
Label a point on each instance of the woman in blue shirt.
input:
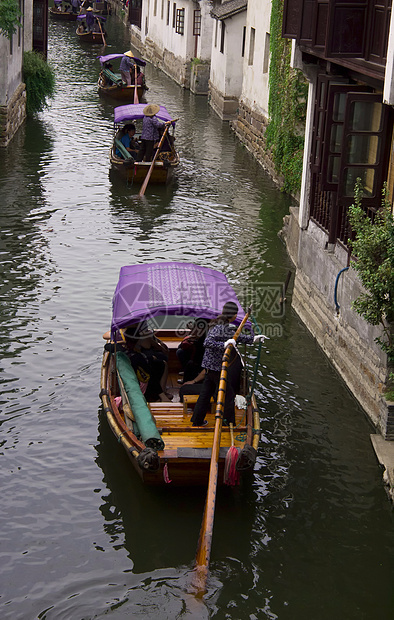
(128, 141)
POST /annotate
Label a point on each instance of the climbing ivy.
(373, 248)
(286, 107)
(9, 17)
(39, 79)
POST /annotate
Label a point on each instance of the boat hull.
(95, 38)
(186, 457)
(135, 172)
(63, 15)
(124, 94)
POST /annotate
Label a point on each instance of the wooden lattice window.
(197, 22)
(180, 21)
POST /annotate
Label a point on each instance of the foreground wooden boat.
(135, 171)
(111, 85)
(172, 451)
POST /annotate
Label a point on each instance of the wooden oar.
(136, 100)
(205, 540)
(148, 174)
(101, 30)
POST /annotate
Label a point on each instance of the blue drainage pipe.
(336, 288)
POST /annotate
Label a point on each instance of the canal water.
(310, 535)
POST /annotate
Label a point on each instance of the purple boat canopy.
(168, 289)
(104, 19)
(135, 111)
(110, 57)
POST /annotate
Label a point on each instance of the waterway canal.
(311, 537)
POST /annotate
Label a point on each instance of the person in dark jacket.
(220, 333)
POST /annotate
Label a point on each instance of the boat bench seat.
(191, 399)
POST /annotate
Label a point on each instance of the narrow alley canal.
(311, 536)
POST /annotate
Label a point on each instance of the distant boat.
(158, 437)
(110, 83)
(104, 8)
(97, 36)
(62, 12)
(135, 171)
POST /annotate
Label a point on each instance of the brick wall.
(12, 115)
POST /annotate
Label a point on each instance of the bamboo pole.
(148, 174)
(136, 100)
(101, 30)
(205, 539)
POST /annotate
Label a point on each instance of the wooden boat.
(103, 8)
(97, 36)
(66, 14)
(135, 171)
(172, 451)
(110, 83)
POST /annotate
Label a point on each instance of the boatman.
(150, 134)
(125, 67)
(76, 5)
(89, 19)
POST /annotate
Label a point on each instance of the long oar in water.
(205, 540)
(101, 30)
(148, 174)
(136, 100)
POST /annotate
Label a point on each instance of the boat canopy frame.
(162, 289)
(109, 57)
(135, 111)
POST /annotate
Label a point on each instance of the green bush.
(373, 248)
(286, 107)
(9, 17)
(39, 79)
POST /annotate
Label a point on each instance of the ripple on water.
(80, 537)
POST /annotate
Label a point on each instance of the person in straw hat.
(126, 65)
(150, 134)
(90, 19)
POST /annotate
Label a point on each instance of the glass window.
(336, 138)
(180, 21)
(365, 116)
(322, 94)
(251, 46)
(333, 169)
(367, 176)
(363, 149)
(338, 113)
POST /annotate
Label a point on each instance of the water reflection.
(310, 536)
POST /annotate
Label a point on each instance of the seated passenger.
(191, 350)
(192, 387)
(128, 141)
(140, 76)
(148, 352)
(106, 80)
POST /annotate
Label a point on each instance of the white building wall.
(164, 35)
(204, 42)
(10, 67)
(11, 55)
(227, 67)
(255, 90)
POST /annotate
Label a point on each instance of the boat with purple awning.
(62, 11)
(128, 165)
(110, 83)
(166, 303)
(90, 28)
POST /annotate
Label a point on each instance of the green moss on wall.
(287, 106)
